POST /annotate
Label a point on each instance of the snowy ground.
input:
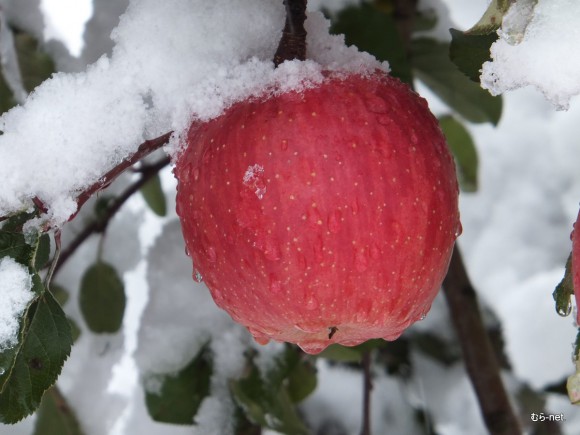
(515, 240)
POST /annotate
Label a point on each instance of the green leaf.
(302, 381)
(74, 329)
(7, 100)
(42, 252)
(35, 65)
(339, 353)
(180, 395)
(14, 245)
(102, 298)
(469, 52)
(564, 290)
(464, 151)
(152, 192)
(268, 400)
(373, 30)
(59, 293)
(432, 66)
(35, 363)
(55, 416)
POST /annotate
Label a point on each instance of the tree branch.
(144, 149)
(100, 224)
(367, 387)
(480, 361)
(293, 43)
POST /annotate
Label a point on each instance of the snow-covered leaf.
(31, 367)
(102, 298)
(55, 416)
(178, 397)
(432, 66)
(469, 51)
(13, 245)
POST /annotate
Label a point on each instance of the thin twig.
(100, 224)
(480, 360)
(144, 149)
(367, 387)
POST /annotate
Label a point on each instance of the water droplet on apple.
(197, 276)
(211, 254)
(334, 221)
(302, 262)
(414, 138)
(275, 284)
(375, 104)
(375, 251)
(259, 336)
(314, 217)
(459, 230)
(355, 206)
(196, 174)
(361, 262)
(284, 145)
(312, 303)
(312, 348)
(186, 251)
(306, 328)
(318, 246)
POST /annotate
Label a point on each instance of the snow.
(16, 291)
(538, 53)
(155, 81)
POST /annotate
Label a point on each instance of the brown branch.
(367, 387)
(293, 43)
(99, 225)
(480, 360)
(144, 149)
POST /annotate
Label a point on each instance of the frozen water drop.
(564, 312)
(197, 276)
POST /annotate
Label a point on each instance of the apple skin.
(322, 216)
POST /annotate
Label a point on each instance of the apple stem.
(293, 42)
(480, 360)
(367, 387)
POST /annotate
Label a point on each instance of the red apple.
(321, 216)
